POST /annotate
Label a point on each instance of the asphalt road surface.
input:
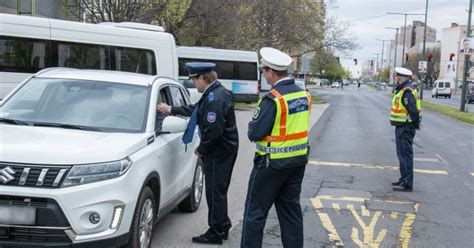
(347, 198)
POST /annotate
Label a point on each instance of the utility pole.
(395, 59)
(456, 79)
(404, 31)
(424, 50)
(467, 61)
(383, 46)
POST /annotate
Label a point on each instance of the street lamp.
(383, 46)
(404, 30)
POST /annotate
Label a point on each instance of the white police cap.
(403, 72)
(275, 59)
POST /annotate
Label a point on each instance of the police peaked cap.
(403, 72)
(198, 68)
(275, 59)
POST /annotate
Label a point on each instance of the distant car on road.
(442, 87)
(335, 85)
(470, 93)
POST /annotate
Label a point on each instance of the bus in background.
(29, 44)
(237, 70)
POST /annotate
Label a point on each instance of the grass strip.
(450, 112)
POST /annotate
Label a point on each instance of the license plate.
(14, 215)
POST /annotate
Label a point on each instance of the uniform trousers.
(218, 172)
(268, 186)
(404, 135)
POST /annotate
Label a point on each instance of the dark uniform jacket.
(409, 101)
(264, 119)
(216, 120)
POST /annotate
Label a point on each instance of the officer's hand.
(197, 153)
(163, 109)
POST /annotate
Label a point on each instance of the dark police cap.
(197, 68)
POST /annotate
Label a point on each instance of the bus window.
(134, 60)
(22, 54)
(247, 71)
(82, 56)
(225, 69)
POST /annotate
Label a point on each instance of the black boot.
(209, 237)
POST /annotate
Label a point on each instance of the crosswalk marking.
(375, 166)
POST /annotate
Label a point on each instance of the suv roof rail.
(52, 69)
(134, 25)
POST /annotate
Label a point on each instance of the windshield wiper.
(13, 121)
(67, 126)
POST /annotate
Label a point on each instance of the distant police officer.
(405, 116)
(280, 129)
(218, 147)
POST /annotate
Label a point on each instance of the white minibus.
(29, 44)
(237, 70)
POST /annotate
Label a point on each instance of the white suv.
(85, 160)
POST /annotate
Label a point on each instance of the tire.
(143, 227)
(449, 96)
(191, 203)
(436, 95)
(432, 96)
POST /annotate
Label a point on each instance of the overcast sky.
(368, 19)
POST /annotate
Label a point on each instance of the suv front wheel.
(143, 220)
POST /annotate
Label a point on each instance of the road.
(347, 198)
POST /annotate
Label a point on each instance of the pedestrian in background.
(215, 115)
(405, 116)
(280, 128)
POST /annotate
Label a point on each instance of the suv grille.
(34, 235)
(33, 175)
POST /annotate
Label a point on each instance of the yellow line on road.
(373, 166)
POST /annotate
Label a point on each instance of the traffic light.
(406, 56)
(451, 56)
(355, 61)
(430, 56)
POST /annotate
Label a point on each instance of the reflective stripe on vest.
(399, 113)
(289, 136)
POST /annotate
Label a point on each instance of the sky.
(368, 19)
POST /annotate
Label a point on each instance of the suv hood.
(49, 145)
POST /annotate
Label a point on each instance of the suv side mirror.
(173, 124)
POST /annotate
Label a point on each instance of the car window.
(447, 85)
(176, 97)
(106, 106)
(440, 85)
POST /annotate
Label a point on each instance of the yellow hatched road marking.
(365, 235)
(374, 166)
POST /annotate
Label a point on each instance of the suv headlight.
(89, 173)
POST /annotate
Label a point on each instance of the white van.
(442, 87)
(29, 44)
(237, 70)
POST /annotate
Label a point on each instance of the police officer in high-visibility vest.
(406, 117)
(280, 129)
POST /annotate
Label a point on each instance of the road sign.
(422, 66)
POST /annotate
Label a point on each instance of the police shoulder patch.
(256, 113)
(210, 97)
(211, 117)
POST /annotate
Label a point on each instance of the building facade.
(452, 56)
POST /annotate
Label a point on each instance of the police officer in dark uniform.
(218, 146)
(405, 116)
(279, 127)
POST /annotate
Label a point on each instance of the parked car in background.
(335, 84)
(442, 87)
(86, 159)
(470, 93)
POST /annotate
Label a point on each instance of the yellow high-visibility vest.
(289, 136)
(399, 113)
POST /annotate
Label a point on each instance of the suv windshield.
(79, 104)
